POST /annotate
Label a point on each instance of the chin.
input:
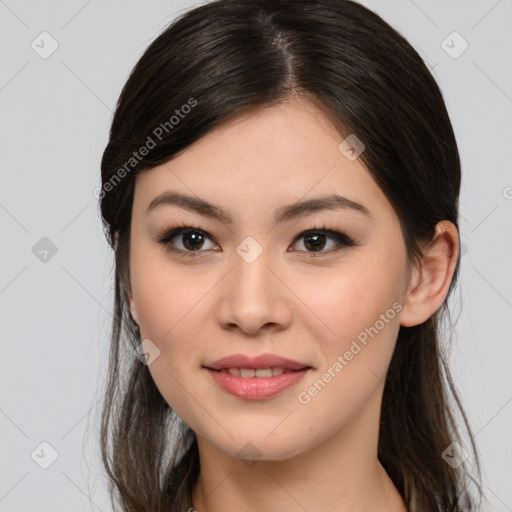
(252, 448)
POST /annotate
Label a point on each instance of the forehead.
(272, 156)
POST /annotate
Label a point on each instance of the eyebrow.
(197, 205)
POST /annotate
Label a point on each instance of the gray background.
(55, 308)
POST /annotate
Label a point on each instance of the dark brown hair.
(230, 57)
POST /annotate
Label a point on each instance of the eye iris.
(195, 237)
(316, 243)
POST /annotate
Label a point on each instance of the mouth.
(259, 362)
(256, 383)
(259, 373)
(258, 377)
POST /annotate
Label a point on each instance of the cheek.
(360, 309)
(170, 308)
(345, 304)
(162, 296)
(357, 346)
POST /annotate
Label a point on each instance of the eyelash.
(165, 236)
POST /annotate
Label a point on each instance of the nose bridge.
(252, 277)
(254, 296)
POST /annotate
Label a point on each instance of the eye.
(316, 240)
(189, 240)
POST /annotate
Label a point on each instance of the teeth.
(264, 372)
(248, 373)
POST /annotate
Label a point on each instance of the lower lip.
(256, 388)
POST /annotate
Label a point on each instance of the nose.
(254, 297)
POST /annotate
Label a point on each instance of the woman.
(281, 191)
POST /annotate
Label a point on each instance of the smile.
(251, 372)
(256, 384)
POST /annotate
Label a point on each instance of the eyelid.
(332, 233)
(169, 233)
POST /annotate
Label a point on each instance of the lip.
(258, 362)
(257, 388)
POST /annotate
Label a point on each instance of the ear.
(134, 310)
(430, 279)
(127, 288)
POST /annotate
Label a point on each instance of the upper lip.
(261, 361)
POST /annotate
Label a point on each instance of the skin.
(292, 301)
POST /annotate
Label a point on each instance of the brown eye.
(192, 241)
(317, 240)
(189, 239)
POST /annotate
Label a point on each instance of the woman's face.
(251, 285)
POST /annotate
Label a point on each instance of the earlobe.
(431, 279)
(410, 314)
(134, 310)
(126, 287)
